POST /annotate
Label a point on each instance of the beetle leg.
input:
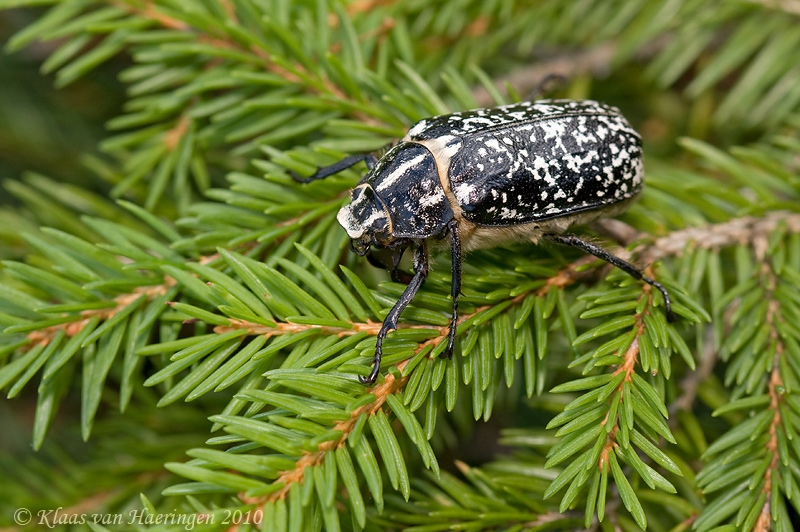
(335, 168)
(627, 267)
(390, 322)
(455, 287)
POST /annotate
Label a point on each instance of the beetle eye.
(358, 247)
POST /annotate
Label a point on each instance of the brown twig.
(764, 521)
(46, 335)
(747, 230)
(358, 7)
(775, 390)
(281, 328)
(568, 276)
(628, 367)
(149, 11)
(787, 6)
(174, 135)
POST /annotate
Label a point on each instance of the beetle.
(486, 177)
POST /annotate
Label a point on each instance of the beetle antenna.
(390, 322)
(627, 267)
(326, 171)
(556, 80)
(455, 287)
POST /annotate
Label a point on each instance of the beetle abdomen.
(536, 161)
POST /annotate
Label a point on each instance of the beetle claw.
(447, 353)
(667, 301)
(451, 339)
(297, 177)
(373, 375)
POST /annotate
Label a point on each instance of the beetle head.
(367, 223)
(399, 201)
(365, 219)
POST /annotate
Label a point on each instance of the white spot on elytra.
(493, 144)
(463, 193)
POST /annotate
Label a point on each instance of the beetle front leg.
(627, 267)
(455, 287)
(335, 168)
(390, 322)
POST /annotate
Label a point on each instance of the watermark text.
(63, 516)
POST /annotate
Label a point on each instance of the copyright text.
(62, 516)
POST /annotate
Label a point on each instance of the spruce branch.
(766, 392)
(764, 520)
(250, 306)
(390, 385)
(42, 337)
(606, 416)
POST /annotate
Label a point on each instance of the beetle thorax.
(400, 199)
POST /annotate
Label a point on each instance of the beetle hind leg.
(455, 287)
(627, 267)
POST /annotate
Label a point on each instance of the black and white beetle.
(486, 177)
